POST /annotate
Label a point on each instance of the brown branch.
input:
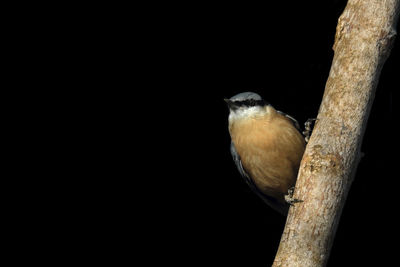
(364, 36)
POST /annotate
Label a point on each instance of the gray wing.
(272, 202)
(294, 121)
(238, 163)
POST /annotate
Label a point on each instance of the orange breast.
(270, 148)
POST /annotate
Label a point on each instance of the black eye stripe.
(250, 103)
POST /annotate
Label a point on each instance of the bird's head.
(245, 105)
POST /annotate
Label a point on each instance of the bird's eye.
(249, 103)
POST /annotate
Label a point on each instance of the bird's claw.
(308, 127)
(289, 197)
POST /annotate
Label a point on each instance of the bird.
(267, 146)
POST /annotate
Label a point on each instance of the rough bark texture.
(364, 36)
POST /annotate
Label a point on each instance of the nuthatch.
(267, 147)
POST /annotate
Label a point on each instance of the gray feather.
(294, 121)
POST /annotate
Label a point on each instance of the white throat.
(245, 113)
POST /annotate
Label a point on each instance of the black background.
(284, 54)
(169, 190)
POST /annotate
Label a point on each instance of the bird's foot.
(289, 197)
(308, 128)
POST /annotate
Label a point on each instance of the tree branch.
(364, 37)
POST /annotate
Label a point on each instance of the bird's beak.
(227, 100)
(230, 103)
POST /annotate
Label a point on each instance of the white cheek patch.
(246, 112)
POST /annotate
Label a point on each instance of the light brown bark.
(364, 36)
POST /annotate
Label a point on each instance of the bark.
(364, 36)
